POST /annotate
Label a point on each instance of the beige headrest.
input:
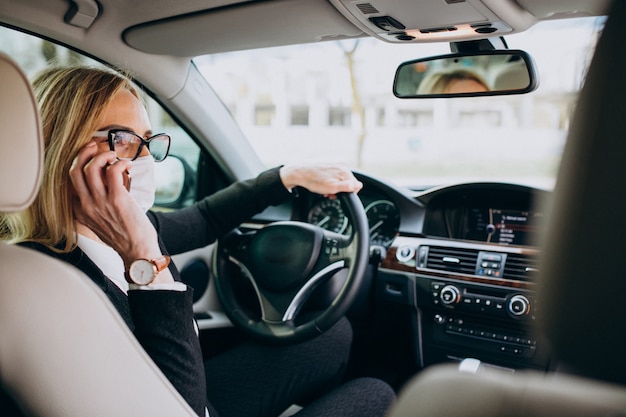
(443, 391)
(21, 139)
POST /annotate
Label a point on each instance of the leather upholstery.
(20, 139)
(64, 349)
(583, 277)
(444, 391)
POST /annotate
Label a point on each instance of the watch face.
(142, 272)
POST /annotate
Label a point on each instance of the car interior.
(470, 298)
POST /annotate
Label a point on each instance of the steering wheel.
(285, 261)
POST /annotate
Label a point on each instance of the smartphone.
(127, 178)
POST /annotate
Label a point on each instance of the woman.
(91, 212)
(453, 82)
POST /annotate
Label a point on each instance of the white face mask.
(143, 183)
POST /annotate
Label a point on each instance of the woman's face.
(126, 112)
(465, 86)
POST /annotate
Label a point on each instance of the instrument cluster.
(383, 218)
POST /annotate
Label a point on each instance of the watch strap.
(161, 262)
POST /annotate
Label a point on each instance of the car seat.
(582, 283)
(64, 350)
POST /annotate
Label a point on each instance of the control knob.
(405, 253)
(519, 305)
(450, 295)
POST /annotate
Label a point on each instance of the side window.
(176, 175)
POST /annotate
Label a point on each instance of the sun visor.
(559, 8)
(252, 25)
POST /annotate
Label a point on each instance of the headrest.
(583, 276)
(21, 139)
(500, 393)
(512, 77)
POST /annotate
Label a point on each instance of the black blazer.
(158, 316)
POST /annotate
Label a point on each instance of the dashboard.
(493, 213)
(460, 260)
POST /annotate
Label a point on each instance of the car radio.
(490, 323)
(502, 304)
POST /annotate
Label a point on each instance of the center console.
(470, 300)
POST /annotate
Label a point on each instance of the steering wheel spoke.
(236, 244)
(276, 307)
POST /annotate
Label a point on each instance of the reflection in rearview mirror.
(481, 73)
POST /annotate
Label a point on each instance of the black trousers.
(256, 380)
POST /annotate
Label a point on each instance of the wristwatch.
(144, 271)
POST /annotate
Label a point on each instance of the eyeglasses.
(128, 145)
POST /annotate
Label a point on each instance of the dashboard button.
(450, 295)
(405, 253)
(519, 305)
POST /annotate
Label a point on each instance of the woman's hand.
(103, 205)
(327, 180)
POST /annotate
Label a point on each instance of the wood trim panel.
(391, 262)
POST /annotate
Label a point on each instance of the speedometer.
(384, 221)
(328, 214)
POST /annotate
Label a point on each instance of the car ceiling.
(253, 24)
(194, 27)
(163, 35)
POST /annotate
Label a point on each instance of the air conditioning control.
(518, 305)
(450, 295)
(502, 304)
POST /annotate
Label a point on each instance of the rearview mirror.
(482, 73)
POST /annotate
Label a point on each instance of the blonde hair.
(71, 101)
(438, 82)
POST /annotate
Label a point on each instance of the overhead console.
(444, 20)
(447, 20)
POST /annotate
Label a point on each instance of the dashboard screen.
(504, 227)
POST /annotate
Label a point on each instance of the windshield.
(333, 102)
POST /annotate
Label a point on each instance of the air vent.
(520, 267)
(367, 8)
(452, 259)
